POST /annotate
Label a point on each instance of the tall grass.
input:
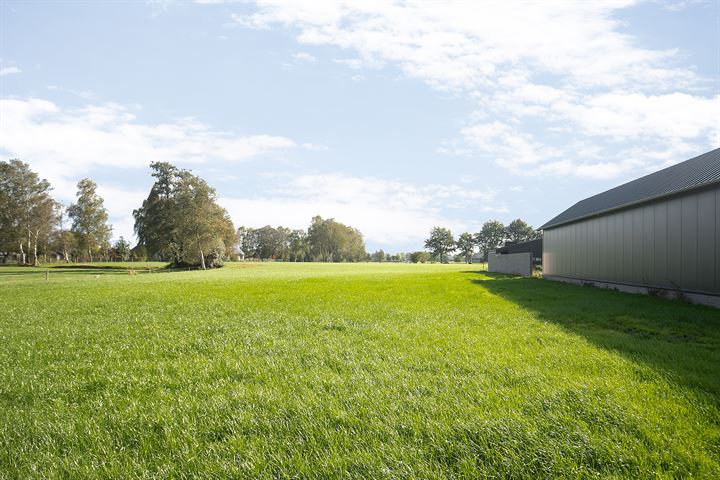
(352, 371)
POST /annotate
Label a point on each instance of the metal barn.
(657, 234)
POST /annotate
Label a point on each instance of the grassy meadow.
(349, 371)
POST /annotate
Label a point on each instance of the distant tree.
(378, 256)
(154, 220)
(440, 242)
(297, 245)
(490, 236)
(419, 257)
(89, 218)
(248, 241)
(138, 253)
(203, 229)
(180, 220)
(121, 248)
(27, 211)
(519, 231)
(62, 240)
(466, 246)
(332, 241)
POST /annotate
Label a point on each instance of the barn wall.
(670, 243)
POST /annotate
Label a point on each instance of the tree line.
(325, 240)
(492, 234)
(33, 224)
(179, 222)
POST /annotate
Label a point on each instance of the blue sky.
(391, 117)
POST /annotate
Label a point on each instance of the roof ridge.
(698, 171)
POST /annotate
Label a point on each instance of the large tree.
(27, 211)
(490, 236)
(154, 220)
(297, 245)
(466, 246)
(440, 242)
(331, 241)
(90, 219)
(519, 231)
(181, 220)
(121, 249)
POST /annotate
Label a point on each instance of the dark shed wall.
(669, 243)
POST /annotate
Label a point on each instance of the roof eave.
(628, 205)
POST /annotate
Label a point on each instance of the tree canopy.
(440, 242)
(466, 246)
(332, 241)
(519, 231)
(180, 220)
(89, 219)
(27, 211)
(490, 236)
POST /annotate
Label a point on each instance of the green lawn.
(352, 371)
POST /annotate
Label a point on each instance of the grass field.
(352, 371)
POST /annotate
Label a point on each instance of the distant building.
(534, 247)
(659, 233)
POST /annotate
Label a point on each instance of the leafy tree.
(138, 253)
(297, 245)
(419, 257)
(89, 218)
(378, 256)
(490, 236)
(27, 211)
(202, 228)
(440, 242)
(331, 241)
(121, 248)
(519, 231)
(466, 246)
(154, 220)
(62, 240)
(181, 221)
(248, 241)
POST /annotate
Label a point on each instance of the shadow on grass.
(674, 338)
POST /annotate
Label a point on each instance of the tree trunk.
(90, 254)
(202, 255)
(22, 252)
(35, 257)
(28, 245)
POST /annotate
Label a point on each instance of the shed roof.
(694, 173)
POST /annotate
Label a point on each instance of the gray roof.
(697, 172)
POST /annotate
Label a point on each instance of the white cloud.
(540, 75)
(9, 71)
(304, 57)
(465, 44)
(388, 213)
(64, 145)
(109, 135)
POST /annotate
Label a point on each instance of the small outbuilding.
(534, 247)
(658, 234)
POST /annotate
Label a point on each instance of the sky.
(392, 117)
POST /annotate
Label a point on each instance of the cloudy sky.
(391, 117)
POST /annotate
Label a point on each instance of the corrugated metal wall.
(666, 243)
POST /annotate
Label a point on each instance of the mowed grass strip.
(352, 371)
